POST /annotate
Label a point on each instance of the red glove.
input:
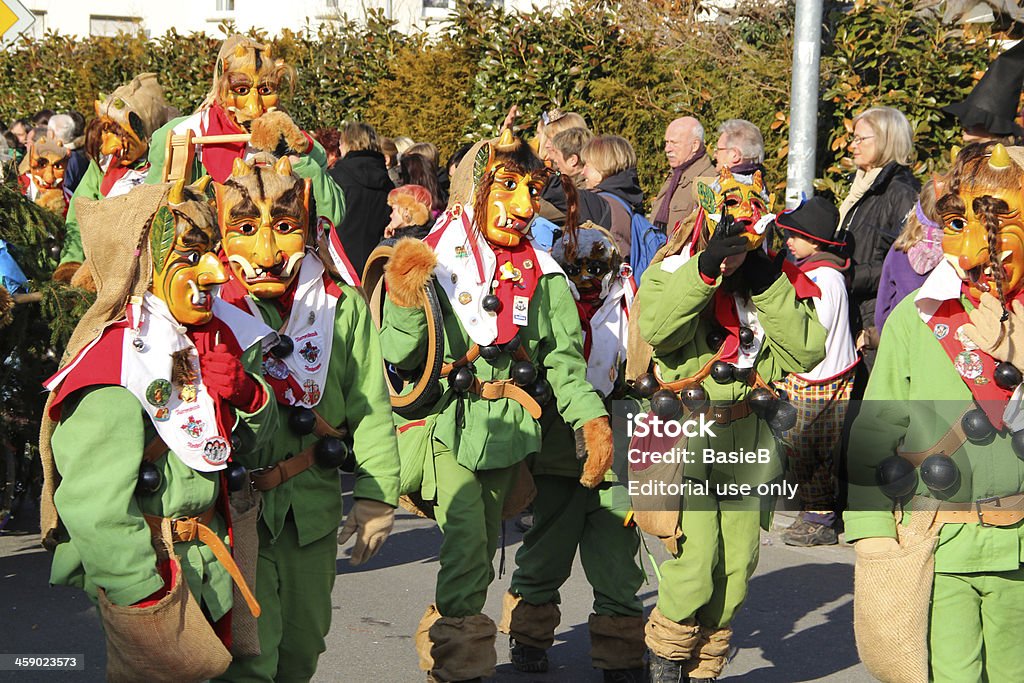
(225, 378)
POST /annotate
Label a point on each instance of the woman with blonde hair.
(613, 191)
(914, 254)
(871, 217)
(552, 123)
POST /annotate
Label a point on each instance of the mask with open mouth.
(746, 203)
(983, 225)
(591, 263)
(247, 80)
(509, 179)
(47, 161)
(263, 213)
(182, 237)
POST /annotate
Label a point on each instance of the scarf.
(661, 219)
(862, 182)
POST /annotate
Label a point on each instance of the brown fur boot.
(408, 271)
(616, 642)
(456, 648)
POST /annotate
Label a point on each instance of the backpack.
(645, 239)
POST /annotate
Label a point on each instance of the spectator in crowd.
(564, 154)
(444, 177)
(609, 172)
(427, 149)
(416, 169)
(688, 159)
(390, 152)
(36, 133)
(884, 191)
(403, 143)
(551, 124)
(65, 128)
(411, 215)
(42, 117)
(20, 129)
(363, 178)
(913, 255)
(330, 139)
(740, 147)
(565, 150)
(822, 395)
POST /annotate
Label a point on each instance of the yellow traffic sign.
(15, 19)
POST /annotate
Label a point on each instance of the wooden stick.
(214, 139)
(31, 297)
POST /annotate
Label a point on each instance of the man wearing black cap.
(990, 111)
(820, 396)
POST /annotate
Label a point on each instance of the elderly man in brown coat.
(688, 159)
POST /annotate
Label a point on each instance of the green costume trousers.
(567, 515)
(976, 626)
(468, 511)
(293, 587)
(717, 555)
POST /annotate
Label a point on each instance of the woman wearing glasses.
(871, 217)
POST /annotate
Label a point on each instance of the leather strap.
(680, 384)
(949, 444)
(506, 388)
(998, 511)
(474, 352)
(723, 415)
(186, 529)
(323, 428)
(281, 471)
(155, 449)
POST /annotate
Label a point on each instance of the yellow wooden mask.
(47, 161)
(508, 181)
(249, 80)
(263, 213)
(745, 202)
(182, 238)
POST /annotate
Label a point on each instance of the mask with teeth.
(247, 80)
(592, 261)
(508, 181)
(263, 213)
(47, 159)
(182, 235)
(983, 226)
(745, 202)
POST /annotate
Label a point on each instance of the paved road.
(797, 624)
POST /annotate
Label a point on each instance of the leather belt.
(949, 444)
(995, 511)
(723, 415)
(281, 471)
(186, 529)
(503, 388)
(680, 384)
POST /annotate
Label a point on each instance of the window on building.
(105, 25)
(225, 5)
(435, 4)
(39, 27)
(332, 4)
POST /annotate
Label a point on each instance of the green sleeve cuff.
(377, 487)
(869, 525)
(129, 595)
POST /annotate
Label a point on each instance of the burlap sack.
(669, 639)
(616, 642)
(245, 511)
(532, 625)
(657, 515)
(170, 641)
(891, 599)
(456, 648)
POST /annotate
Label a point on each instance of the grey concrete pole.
(803, 107)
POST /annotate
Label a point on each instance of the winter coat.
(609, 213)
(870, 228)
(682, 202)
(364, 179)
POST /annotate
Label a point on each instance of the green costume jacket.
(97, 447)
(354, 395)
(675, 320)
(914, 394)
(330, 201)
(501, 433)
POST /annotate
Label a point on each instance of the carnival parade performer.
(116, 144)
(568, 515)
(512, 342)
(42, 177)
(326, 375)
(244, 101)
(724, 323)
(939, 584)
(154, 416)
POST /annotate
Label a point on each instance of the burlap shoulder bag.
(170, 641)
(656, 513)
(245, 511)
(891, 599)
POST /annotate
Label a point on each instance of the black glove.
(722, 245)
(760, 271)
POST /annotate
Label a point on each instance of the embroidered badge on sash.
(161, 415)
(968, 364)
(312, 390)
(941, 330)
(216, 450)
(309, 353)
(275, 368)
(193, 427)
(188, 393)
(158, 393)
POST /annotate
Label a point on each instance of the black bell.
(976, 425)
(149, 479)
(541, 391)
(236, 476)
(665, 404)
(301, 421)
(721, 372)
(283, 348)
(715, 338)
(783, 418)
(939, 472)
(746, 336)
(695, 398)
(742, 374)
(461, 379)
(1007, 376)
(512, 344)
(896, 477)
(761, 402)
(236, 443)
(330, 453)
(645, 385)
(490, 352)
(524, 372)
(490, 303)
(1017, 441)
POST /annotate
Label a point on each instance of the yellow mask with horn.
(508, 181)
(746, 203)
(182, 238)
